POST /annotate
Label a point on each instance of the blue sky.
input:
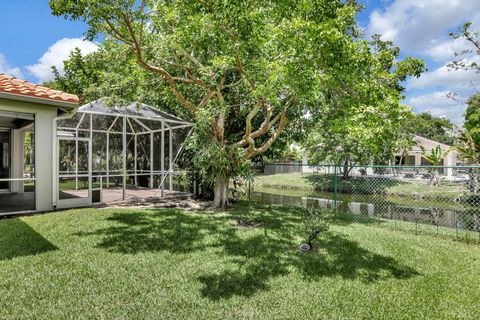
(33, 40)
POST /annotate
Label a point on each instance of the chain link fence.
(436, 200)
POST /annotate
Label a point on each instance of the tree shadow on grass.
(152, 230)
(248, 258)
(253, 262)
(18, 239)
(348, 259)
(262, 258)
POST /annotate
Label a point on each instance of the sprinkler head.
(304, 247)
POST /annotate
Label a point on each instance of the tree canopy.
(435, 128)
(367, 125)
(472, 117)
(472, 37)
(249, 73)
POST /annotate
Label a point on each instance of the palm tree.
(470, 152)
(435, 157)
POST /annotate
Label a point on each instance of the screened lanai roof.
(133, 110)
(133, 145)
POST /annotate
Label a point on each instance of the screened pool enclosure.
(108, 154)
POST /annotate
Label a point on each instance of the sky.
(32, 40)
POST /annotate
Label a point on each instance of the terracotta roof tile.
(21, 87)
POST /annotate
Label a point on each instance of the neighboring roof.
(134, 110)
(15, 88)
(429, 144)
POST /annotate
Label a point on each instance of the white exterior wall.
(44, 115)
(451, 160)
(427, 144)
(418, 158)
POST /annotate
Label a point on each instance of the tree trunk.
(221, 192)
(346, 170)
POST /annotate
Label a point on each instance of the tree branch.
(192, 59)
(473, 41)
(117, 34)
(164, 73)
(243, 72)
(281, 126)
(248, 125)
(205, 99)
(266, 125)
(238, 61)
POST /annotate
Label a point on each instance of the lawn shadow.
(153, 230)
(259, 259)
(248, 258)
(273, 252)
(253, 260)
(340, 256)
(18, 239)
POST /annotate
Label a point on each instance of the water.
(438, 213)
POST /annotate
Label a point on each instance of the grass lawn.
(358, 185)
(170, 264)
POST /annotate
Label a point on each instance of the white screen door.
(74, 172)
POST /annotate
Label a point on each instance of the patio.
(116, 195)
(117, 153)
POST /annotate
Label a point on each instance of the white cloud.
(6, 68)
(56, 54)
(439, 105)
(420, 28)
(445, 77)
(445, 50)
(415, 25)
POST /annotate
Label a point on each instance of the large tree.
(472, 117)
(367, 125)
(467, 63)
(263, 62)
(435, 128)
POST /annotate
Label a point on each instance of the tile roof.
(16, 86)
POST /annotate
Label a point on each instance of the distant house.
(414, 157)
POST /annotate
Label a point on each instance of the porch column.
(418, 161)
(450, 160)
(162, 157)
(151, 160)
(170, 160)
(135, 158)
(17, 145)
(124, 157)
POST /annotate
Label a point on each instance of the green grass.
(445, 190)
(357, 185)
(169, 264)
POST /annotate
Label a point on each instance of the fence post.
(194, 184)
(249, 191)
(335, 187)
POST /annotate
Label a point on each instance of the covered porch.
(17, 162)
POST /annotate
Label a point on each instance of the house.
(413, 156)
(28, 114)
(55, 154)
(410, 160)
